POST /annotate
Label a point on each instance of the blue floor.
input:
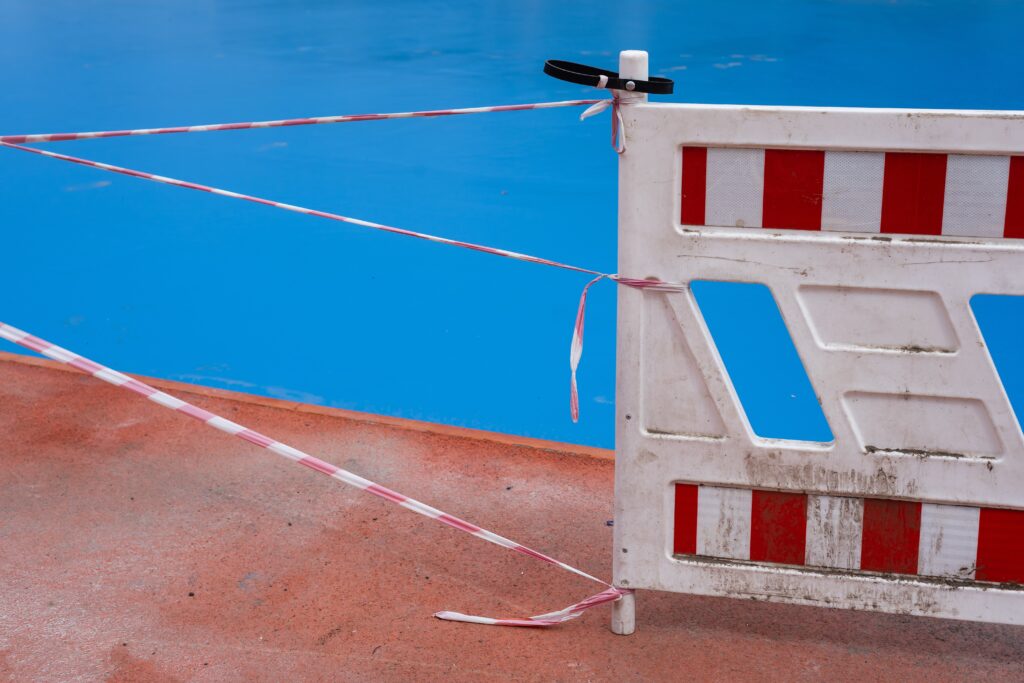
(186, 286)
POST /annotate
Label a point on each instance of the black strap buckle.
(591, 75)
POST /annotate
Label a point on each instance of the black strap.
(591, 75)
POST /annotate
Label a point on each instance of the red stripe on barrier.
(1014, 226)
(684, 534)
(913, 190)
(778, 527)
(793, 180)
(892, 531)
(1000, 546)
(694, 185)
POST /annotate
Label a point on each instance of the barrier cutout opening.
(761, 360)
(1001, 321)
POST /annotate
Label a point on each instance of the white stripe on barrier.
(948, 544)
(834, 526)
(852, 191)
(723, 522)
(974, 204)
(735, 187)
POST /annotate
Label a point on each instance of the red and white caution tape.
(299, 209)
(118, 379)
(576, 350)
(611, 593)
(281, 123)
(617, 100)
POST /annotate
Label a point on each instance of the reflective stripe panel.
(834, 528)
(914, 193)
(735, 187)
(723, 522)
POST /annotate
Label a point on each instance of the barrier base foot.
(624, 615)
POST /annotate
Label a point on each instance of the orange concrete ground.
(137, 545)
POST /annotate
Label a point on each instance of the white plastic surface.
(882, 324)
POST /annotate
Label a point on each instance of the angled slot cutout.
(676, 398)
(1000, 318)
(761, 360)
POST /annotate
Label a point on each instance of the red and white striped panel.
(866, 534)
(963, 195)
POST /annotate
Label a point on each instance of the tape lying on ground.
(609, 594)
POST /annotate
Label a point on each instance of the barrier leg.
(624, 615)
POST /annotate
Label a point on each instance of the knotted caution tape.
(576, 348)
(617, 100)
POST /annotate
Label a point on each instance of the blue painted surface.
(1001, 321)
(765, 369)
(186, 286)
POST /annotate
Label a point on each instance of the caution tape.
(610, 593)
(102, 372)
(282, 123)
(576, 348)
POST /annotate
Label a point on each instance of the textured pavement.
(138, 545)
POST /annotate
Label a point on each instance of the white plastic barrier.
(873, 229)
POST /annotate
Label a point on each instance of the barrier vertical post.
(632, 64)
